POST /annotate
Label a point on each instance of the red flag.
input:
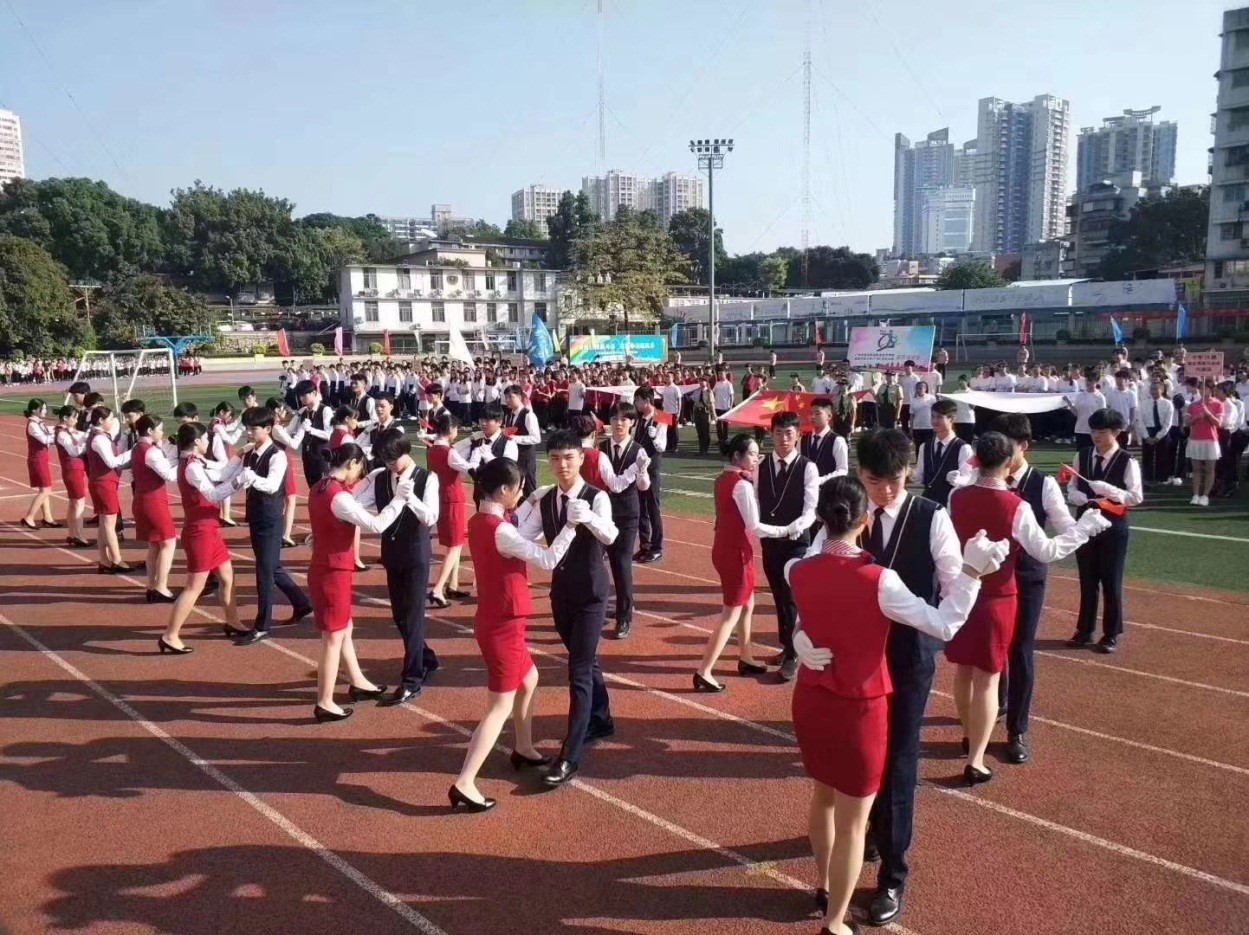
(1110, 508)
(386, 343)
(1025, 328)
(665, 418)
(865, 396)
(1066, 475)
(284, 345)
(757, 411)
(819, 334)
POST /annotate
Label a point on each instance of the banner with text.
(1203, 364)
(885, 347)
(610, 348)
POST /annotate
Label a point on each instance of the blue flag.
(1181, 322)
(541, 347)
(1116, 331)
(672, 338)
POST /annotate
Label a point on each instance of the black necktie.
(1099, 468)
(876, 537)
(936, 453)
(781, 470)
(1157, 419)
(563, 511)
(618, 453)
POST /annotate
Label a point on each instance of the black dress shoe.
(649, 558)
(76, 543)
(560, 772)
(365, 694)
(520, 761)
(457, 594)
(1079, 639)
(623, 628)
(886, 905)
(152, 596)
(51, 524)
(788, 670)
(600, 730)
(29, 525)
(871, 853)
(232, 633)
(637, 556)
(459, 799)
(295, 617)
(1017, 749)
(706, 685)
(251, 636)
(974, 777)
(751, 668)
(399, 696)
(821, 901)
(1107, 645)
(323, 714)
(166, 648)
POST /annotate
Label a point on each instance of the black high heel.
(821, 901)
(155, 597)
(520, 761)
(322, 714)
(110, 570)
(458, 798)
(751, 668)
(288, 543)
(29, 525)
(705, 685)
(435, 601)
(365, 694)
(51, 524)
(360, 566)
(75, 543)
(974, 777)
(166, 648)
(457, 594)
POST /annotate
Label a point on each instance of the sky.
(388, 106)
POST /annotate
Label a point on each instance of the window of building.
(492, 313)
(370, 278)
(539, 280)
(370, 311)
(512, 282)
(1240, 38)
(405, 279)
(470, 282)
(438, 311)
(1231, 231)
(405, 312)
(1237, 118)
(470, 311)
(435, 279)
(513, 313)
(1235, 268)
(1233, 193)
(1236, 156)
(540, 309)
(1240, 77)
(490, 282)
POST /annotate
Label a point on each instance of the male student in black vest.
(386, 422)
(578, 592)
(1045, 497)
(943, 453)
(915, 538)
(492, 444)
(653, 438)
(315, 417)
(434, 394)
(623, 452)
(527, 434)
(266, 506)
(406, 554)
(364, 404)
(823, 445)
(788, 487)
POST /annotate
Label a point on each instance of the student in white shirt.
(1085, 403)
(670, 395)
(1154, 421)
(722, 396)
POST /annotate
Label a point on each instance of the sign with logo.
(1203, 364)
(597, 348)
(886, 347)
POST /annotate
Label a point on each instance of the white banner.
(1025, 403)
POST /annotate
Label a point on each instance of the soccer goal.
(149, 374)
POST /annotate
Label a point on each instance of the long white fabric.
(1025, 403)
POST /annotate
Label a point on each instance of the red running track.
(195, 795)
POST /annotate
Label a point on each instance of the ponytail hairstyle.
(345, 454)
(737, 447)
(223, 409)
(66, 412)
(33, 407)
(494, 475)
(842, 505)
(188, 434)
(341, 415)
(97, 415)
(146, 424)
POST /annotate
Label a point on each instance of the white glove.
(1100, 487)
(985, 555)
(1093, 522)
(957, 479)
(795, 530)
(247, 478)
(653, 431)
(579, 512)
(810, 656)
(404, 490)
(643, 461)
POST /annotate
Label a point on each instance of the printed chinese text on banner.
(888, 347)
(606, 348)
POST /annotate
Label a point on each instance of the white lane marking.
(1154, 626)
(301, 837)
(1149, 675)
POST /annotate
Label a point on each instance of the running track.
(195, 795)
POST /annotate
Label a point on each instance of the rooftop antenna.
(806, 141)
(602, 91)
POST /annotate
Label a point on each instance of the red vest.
(333, 541)
(839, 606)
(591, 472)
(450, 481)
(339, 438)
(69, 464)
(975, 508)
(731, 537)
(508, 594)
(197, 509)
(145, 479)
(35, 449)
(96, 468)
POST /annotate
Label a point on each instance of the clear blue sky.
(387, 107)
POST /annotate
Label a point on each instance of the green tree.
(775, 271)
(525, 230)
(483, 229)
(317, 257)
(572, 221)
(971, 274)
(1165, 231)
(626, 269)
(91, 230)
(37, 314)
(378, 244)
(690, 232)
(129, 310)
(829, 268)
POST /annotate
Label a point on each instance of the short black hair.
(186, 411)
(359, 378)
(443, 423)
(131, 406)
(884, 452)
(392, 446)
(245, 391)
(304, 388)
(562, 440)
(434, 388)
(79, 388)
(623, 410)
(513, 389)
(993, 449)
(386, 395)
(945, 407)
(822, 402)
(786, 420)
(258, 417)
(189, 433)
(645, 393)
(492, 412)
(1106, 420)
(582, 424)
(1015, 426)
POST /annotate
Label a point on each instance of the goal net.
(148, 374)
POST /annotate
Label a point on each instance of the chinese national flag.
(757, 412)
(386, 343)
(284, 344)
(665, 418)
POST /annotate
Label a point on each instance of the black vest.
(497, 448)
(361, 406)
(405, 542)
(642, 436)
(1115, 474)
(781, 504)
(581, 578)
(526, 455)
(624, 505)
(820, 451)
(375, 435)
(264, 507)
(313, 448)
(936, 487)
(909, 554)
(1031, 489)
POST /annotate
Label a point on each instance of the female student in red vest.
(846, 605)
(733, 557)
(503, 610)
(203, 485)
(450, 467)
(288, 443)
(344, 424)
(227, 430)
(39, 441)
(336, 517)
(104, 467)
(71, 445)
(153, 521)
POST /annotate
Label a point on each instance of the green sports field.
(1174, 543)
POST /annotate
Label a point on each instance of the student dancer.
(500, 555)
(71, 445)
(823, 446)
(450, 468)
(980, 650)
(943, 453)
(335, 515)
(653, 439)
(227, 431)
(104, 467)
(153, 521)
(202, 486)
(847, 605)
(733, 557)
(490, 445)
(314, 423)
(288, 444)
(39, 440)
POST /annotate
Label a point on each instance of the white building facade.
(535, 203)
(1227, 239)
(667, 195)
(947, 220)
(1132, 142)
(12, 154)
(673, 193)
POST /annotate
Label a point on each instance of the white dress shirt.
(347, 508)
(102, 445)
(1057, 516)
(308, 424)
(72, 441)
(527, 432)
(600, 523)
(483, 453)
(1122, 402)
(841, 455)
(424, 508)
(1086, 404)
(1145, 417)
(959, 468)
(292, 440)
(618, 449)
(215, 482)
(576, 396)
(511, 543)
(155, 459)
(810, 485)
(1132, 495)
(615, 483)
(370, 407)
(40, 432)
(454, 459)
(722, 394)
(273, 479)
(1026, 531)
(658, 433)
(748, 507)
(921, 412)
(671, 394)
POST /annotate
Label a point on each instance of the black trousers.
(1016, 684)
(580, 627)
(1101, 561)
(314, 468)
(702, 426)
(266, 539)
(406, 587)
(912, 661)
(529, 467)
(776, 554)
(722, 430)
(1157, 460)
(651, 520)
(620, 557)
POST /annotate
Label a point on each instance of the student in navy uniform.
(1106, 471)
(654, 439)
(492, 444)
(578, 592)
(266, 508)
(942, 454)
(315, 417)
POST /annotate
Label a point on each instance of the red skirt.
(737, 576)
(104, 494)
(843, 741)
(40, 470)
(153, 522)
(330, 590)
(503, 646)
(452, 524)
(204, 547)
(75, 483)
(288, 486)
(984, 640)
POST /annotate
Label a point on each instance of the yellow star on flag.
(773, 404)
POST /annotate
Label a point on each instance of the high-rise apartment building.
(12, 156)
(947, 220)
(673, 193)
(1227, 239)
(1132, 142)
(535, 203)
(1020, 172)
(666, 195)
(917, 168)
